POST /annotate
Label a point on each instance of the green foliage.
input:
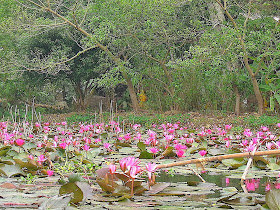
(263, 120)
(29, 179)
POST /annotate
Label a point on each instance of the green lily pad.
(273, 166)
(4, 150)
(233, 163)
(74, 178)
(29, 145)
(272, 199)
(79, 190)
(27, 165)
(11, 170)
(145, 155)
(141, 146)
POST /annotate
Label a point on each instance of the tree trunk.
(80, 96)
(245, 58)
(237, 100)
(133, 96)
(216, 14)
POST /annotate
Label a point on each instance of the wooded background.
(159, 55)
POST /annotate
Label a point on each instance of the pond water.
(219, 191)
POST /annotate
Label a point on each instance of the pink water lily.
(112, 168)
(151, 168)
(202, 152)
(154, 150)
(107, 146)
(20, 142)
(180, 153)
(50, 172)
(86, 147)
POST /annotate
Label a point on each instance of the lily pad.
(272, 199)
(233, 163)
(11, 170)
(79, 190)
(4, 150)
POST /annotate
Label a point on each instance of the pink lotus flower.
(227, 144)
(180, 153)
(41, 159)
(180, 146)
(134, 170)
(136, 126)
(50, 172)
(202, 152)
(227, 181)
(228, 127)
(31, 157)
(250, 185)
(64, 123)
(86, 147)
(20, 142)
(127, 136)
(151, 168)
(264, 128)
(247, 133)
(277, 185)
(154, 150)
(267, 187)
(62, 145)
(138, 136)
(278, 125)
(97, 140)
(250, 148)
(112, 168)
(128, 162)
(244, 143)
(107, 146)
(269, 145)
(37, 125)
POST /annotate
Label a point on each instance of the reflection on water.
(257, 185)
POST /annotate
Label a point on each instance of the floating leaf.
(168, 152)
(157, 188)
(141, 146)
(104, 136)
(4, 150)
(101, 173)
(91, 154)
(272, 199)
(29, 145)
(11, 170)
(56, 202)
(122, 144)
(122, 176)
(110, 199)
(260, 162)
(234, 163)
(105, 186)
(135, 183)
(74, 178)
(28, 165)
(79, 190)
(146, 155)
(8, 185)
(273, 166)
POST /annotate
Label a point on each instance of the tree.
(68, 13)
(241, 34)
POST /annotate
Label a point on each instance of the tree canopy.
(183, 55)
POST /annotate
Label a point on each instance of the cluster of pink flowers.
(130, 166)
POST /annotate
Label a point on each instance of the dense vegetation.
(170, 55)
